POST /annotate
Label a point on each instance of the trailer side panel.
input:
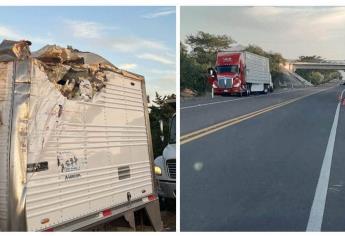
(91, 156)
(6, 92)
(257, 69)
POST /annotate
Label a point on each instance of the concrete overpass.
(327, 65)
(292, 65)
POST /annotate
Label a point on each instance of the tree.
(162, 109)
(204, 46)
(192, 74)
(202, 55)
(316, 77)
(314, 58)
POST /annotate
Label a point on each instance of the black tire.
(247, 92)
(162, 203)
(265, 89)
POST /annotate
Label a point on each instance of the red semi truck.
(240, 73)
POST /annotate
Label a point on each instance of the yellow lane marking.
(214, 128)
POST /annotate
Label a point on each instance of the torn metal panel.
(77, 75)
(19, 145)
(68, 71)
(93, 59)
(14, 106)
(12, 50)
(6, 93)
(55, 54)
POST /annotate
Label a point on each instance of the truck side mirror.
(212, 72)
(161, 126)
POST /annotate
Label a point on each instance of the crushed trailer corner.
(75, 143)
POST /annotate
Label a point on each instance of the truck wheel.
(265, 89)
(248, 88)
(248, 91)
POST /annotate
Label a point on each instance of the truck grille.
(171, 166)
(224, 82)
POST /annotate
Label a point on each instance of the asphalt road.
(268, 171)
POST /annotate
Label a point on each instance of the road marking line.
(213, 128)
(318, 207)
(236, 99)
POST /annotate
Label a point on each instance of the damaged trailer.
(75, 141)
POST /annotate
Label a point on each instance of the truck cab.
(229, 76)
(165, 165)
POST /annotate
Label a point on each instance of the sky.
(291, 31)
(139, 39)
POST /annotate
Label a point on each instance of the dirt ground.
(168, 213)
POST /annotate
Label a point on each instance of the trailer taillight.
(106, 213)
(151, 197)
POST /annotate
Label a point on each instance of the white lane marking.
(232, 100)
(318, 207)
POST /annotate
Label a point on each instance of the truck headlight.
(158, 170)
(237, 82)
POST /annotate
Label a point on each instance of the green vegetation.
(205, 46)
(202, 55)
(192, 73)
(317, 77)
(199, 53)
(163, 109)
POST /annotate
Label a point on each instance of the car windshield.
(173, 131)
(227, 69)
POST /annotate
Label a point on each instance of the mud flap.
(154, 214)
(129, 217)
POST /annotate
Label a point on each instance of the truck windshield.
(173, 131)
(227, 69)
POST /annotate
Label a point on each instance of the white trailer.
(257, 72)
(240, 72)
(66, 164)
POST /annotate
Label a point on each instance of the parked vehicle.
(165, 165)
(240, 73)
(72, 156)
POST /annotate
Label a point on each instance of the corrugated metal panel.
(86, 148)
(258, 70)
(6, 84)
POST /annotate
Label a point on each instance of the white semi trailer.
(68, 164)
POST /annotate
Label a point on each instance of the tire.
(248, 90)
(162, 203)
(265, 89)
